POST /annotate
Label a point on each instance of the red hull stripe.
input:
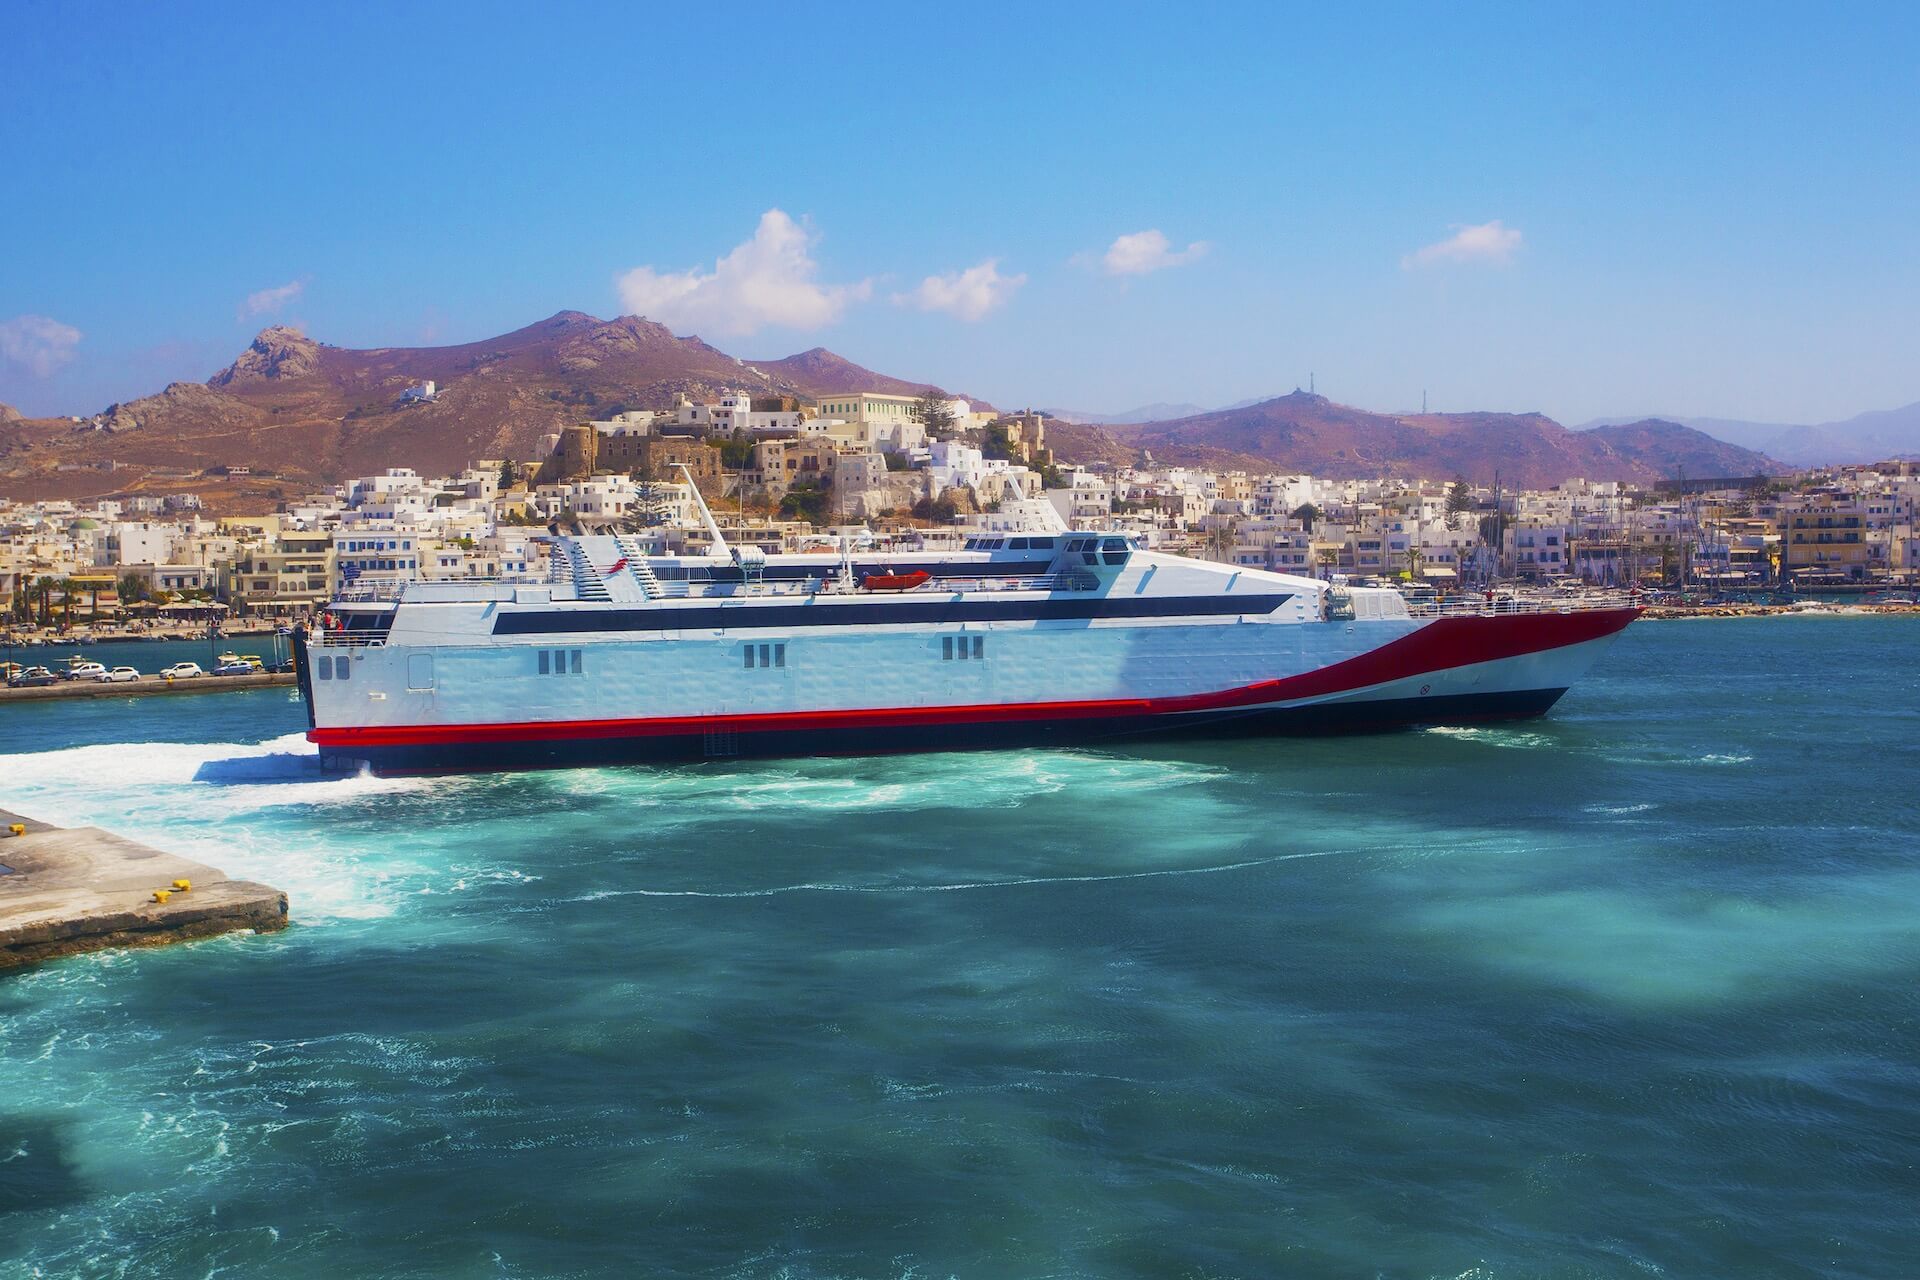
(1440, 645)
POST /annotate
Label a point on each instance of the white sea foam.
(212, 802)
(1664, 950)
(860, 785)
(958, 886)
(1523, 739)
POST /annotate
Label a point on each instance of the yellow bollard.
(17, 828)
(161, 895)
(181, 886)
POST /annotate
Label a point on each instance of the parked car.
(86, 671)
(234, 669)
(33, 678)
(182, 671)
(119, 675)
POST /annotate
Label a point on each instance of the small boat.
(894, 581)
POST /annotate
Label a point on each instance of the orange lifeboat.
(894, 581)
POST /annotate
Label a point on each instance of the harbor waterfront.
(1622, 991)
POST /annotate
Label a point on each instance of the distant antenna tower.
(1423, 400)
(1310, 390)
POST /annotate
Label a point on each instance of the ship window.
(546, 660)
(324, 667)
(343, 669)
(979, 646)
(1016, 544)
(766, 655)
(747, 649)
(946, 648)
(575, 661)
(780, 655)
(1041, 544)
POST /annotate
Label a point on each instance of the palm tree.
(68, 590)
(1414, 561)
(43, 587)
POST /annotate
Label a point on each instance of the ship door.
(419, 672)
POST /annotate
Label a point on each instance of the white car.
(119, 675)
(86, 671)
(182, 671)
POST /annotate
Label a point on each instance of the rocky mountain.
(1309, 433)
(1865, 437)
(311, 413)
(820, 372)
(1160, 411)
(10, 414)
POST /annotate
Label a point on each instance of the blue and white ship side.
(1067, 638)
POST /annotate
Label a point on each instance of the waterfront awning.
(1437, 571)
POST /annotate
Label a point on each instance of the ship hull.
(1456, 670)
(596, 747)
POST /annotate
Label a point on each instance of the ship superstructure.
(1029, 639)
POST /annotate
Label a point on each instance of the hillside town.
(862, 467)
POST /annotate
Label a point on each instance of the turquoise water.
(1624, 992)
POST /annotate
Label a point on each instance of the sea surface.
(1629, 991)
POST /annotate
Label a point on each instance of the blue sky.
(1704, 210)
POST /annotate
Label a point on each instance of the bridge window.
(324, 668)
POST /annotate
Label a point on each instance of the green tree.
(508, 475)
(1306, 513)
(736, 451)
(1459, 501)
(43, 586)
(934, 414)
(805, 501)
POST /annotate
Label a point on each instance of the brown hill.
(1311, 434)
(311, 413)
(820, 372)
(10, 414)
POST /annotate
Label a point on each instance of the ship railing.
(680, 590)
(370, 592)
(1479, 606)
(349, 639)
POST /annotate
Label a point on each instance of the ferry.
(1039, 639)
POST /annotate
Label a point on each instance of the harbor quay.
(64, 891)
(145, 685)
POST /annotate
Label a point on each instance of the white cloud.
(769, 280)
(1140, 252)
(1488, 242)
(37, 344)
(968, 294)
(267, 301)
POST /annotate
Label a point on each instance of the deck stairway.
(637, 565)
(587, 582)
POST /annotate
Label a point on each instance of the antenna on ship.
(719, 547)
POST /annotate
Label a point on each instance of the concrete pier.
(146, 685)
(68, 890)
